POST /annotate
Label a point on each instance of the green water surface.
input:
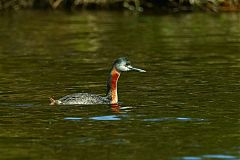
(185, 107)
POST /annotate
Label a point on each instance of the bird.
(119, 65)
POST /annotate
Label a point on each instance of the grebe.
(119, 65)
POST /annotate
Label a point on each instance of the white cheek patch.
(123, 68)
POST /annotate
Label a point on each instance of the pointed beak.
(131, 68)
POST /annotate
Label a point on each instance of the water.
(185, 107)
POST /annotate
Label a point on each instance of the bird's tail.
(52, 101)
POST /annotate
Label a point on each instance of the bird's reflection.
(116, 108)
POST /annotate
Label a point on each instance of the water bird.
(119, 65)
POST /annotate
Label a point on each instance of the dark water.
(185, 107)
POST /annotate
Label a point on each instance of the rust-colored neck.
(112, 85)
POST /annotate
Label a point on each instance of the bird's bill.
(136, 69)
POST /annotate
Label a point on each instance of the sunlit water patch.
(174, 119)
(211, 157)
(220, 156)
(97, 118)
(127, 117)
(73, 118)
(106, 118)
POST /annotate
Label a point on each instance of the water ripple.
(117, 118)
(220, 156)
(106, 118)
(97, 118)
(173, 119)
(211, 156)
(72, 118)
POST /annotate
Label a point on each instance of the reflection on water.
(185, 107)
(73, 118)
(116, 118)
(106, 118)
(204, 157)
(173, 119)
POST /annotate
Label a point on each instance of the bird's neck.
(112, 85)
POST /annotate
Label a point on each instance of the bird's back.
(83, 98)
